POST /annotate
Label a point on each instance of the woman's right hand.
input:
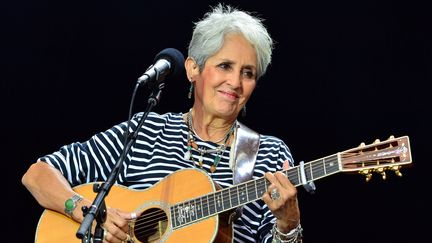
(116, 225)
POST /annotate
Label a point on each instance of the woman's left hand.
(283, 204)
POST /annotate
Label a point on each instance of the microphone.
(167, 62)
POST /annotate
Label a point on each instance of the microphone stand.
(98, 208)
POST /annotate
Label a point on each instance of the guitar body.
(177, 187)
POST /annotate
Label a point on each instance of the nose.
(235, 79)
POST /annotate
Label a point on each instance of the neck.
(209, 128)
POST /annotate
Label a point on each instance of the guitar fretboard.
(196, 209)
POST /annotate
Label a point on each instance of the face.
(228, 78)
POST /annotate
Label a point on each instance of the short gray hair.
(209, 33)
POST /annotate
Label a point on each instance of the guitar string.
(149, 230)
(146, 219)
(292, 174)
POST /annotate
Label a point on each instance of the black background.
(343, 73)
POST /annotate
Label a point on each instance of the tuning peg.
(368, 177)
(383, 175)
(362, 145)
(377, 140)
(396, 170)
(391, 137)
(366, 173)
(379, 170)
(382, 172)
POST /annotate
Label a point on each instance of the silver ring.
(274, 194)
(105, 235)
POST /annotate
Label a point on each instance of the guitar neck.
(190, 211)
(314, 170)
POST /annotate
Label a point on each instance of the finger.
(108, 237)
(116, 227)
(104, 236)
(133, 216)
(127, 216)
(115, 237)
(288, 190)
(279, 181)
(283, 180)
(267, 199)
(285, 165)
(120, 219)
(271, 178)
(271, 204)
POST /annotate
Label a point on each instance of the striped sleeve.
(92, 160)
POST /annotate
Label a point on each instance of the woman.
(229, 51)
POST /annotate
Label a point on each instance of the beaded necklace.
(191, 144)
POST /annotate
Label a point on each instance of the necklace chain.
(191, 128)
(192, 145)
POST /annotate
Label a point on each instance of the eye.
(249, 74)
(225, 66)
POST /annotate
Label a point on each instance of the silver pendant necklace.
(191, 145)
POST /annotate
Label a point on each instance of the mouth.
(230, 95)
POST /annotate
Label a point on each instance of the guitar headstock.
(378, 157)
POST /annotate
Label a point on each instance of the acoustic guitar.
(186, 205)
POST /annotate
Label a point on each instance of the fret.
(306, 174)
(212, 204)
(218, 202)
(234, 194)
(332, 164)
(242, 194)
(181, 217)
(261, 186)
(324, 165)
(198, 208)
(315, 170)
(226, 199)
(310, 172)
(194, 211)
(188, 211)
(173, 216)
(205, 206)
(293, 175)
(251, 190)
(298, 175)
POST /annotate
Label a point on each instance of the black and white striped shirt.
(159, 151)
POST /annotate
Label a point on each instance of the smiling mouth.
(230, 94)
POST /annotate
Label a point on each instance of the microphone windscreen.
(175, 57)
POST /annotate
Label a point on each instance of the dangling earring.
(190, 91)
(244, 111)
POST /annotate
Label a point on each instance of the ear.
(191, 68)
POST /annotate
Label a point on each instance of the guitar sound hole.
(151, 225)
